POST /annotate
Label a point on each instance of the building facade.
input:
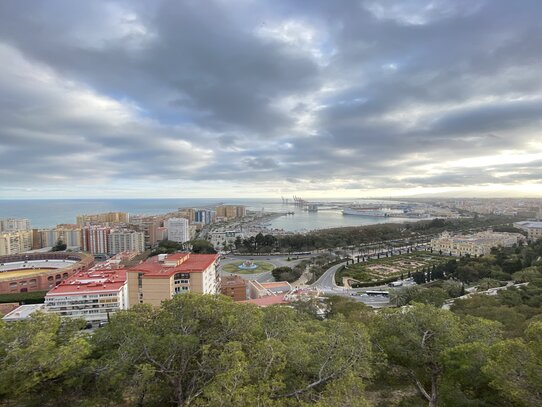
(14, 225)
(533, 229)
(204, 216)
(164, 276)
(103, 218)
(126, 240)
(234, 287)
(474, 245)
(230, 211)
(221, 239)
(177, 230)
(95, 239)
(93, 295)
(72, 237)
(15, 242)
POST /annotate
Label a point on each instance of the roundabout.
(247, 267)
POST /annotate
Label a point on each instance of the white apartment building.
(126, 240)
(14, 225)
(93, 295)
(15, 242)
(177, 230)
(475, 245)
(71, 237)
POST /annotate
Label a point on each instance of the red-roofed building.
(91, 295)
(163, 276)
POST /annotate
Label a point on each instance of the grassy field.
(394, 266)
(263, 266)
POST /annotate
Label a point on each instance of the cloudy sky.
(267, 98)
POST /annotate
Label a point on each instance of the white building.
(93, 295)
(177, 230)
(126, 240)
(14, 225)
(70, 236)
(475, 245)
(533, 229)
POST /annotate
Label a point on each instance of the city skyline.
(119, 99)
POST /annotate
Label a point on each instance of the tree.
(202, 247)
(209, 351)
(287, 274)
(415, 340)
(37, 356)
(59, 246)
(515, 367)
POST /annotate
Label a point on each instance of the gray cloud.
(352, 95)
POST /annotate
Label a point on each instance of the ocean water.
(44, 213)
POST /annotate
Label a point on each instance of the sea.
(45, 213)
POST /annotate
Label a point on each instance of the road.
(326, 283)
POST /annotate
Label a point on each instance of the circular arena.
(39, 271)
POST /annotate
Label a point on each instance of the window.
(50, 278)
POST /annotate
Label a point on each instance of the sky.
(241, 98)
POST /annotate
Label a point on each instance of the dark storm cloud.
(359, 93)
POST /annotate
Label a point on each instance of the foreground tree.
(416, 338)
(515, 367)
(210, 351)
(37, 357)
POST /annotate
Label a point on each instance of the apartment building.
(95, 239)
(163, 276)
(14, 225)
(15, 242)
(204, 216)
(177, 230)
(230, 211)
(92, 295)
(149, 225)
(103, 218)
(126, 240)
(72, 237)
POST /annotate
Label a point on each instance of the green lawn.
(393, 266)
(263, 266)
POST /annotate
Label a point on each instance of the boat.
(373, 212)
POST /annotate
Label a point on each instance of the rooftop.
(92, 281)
(530, 224)
(232, 281)
(22, 312)
(159, 267)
